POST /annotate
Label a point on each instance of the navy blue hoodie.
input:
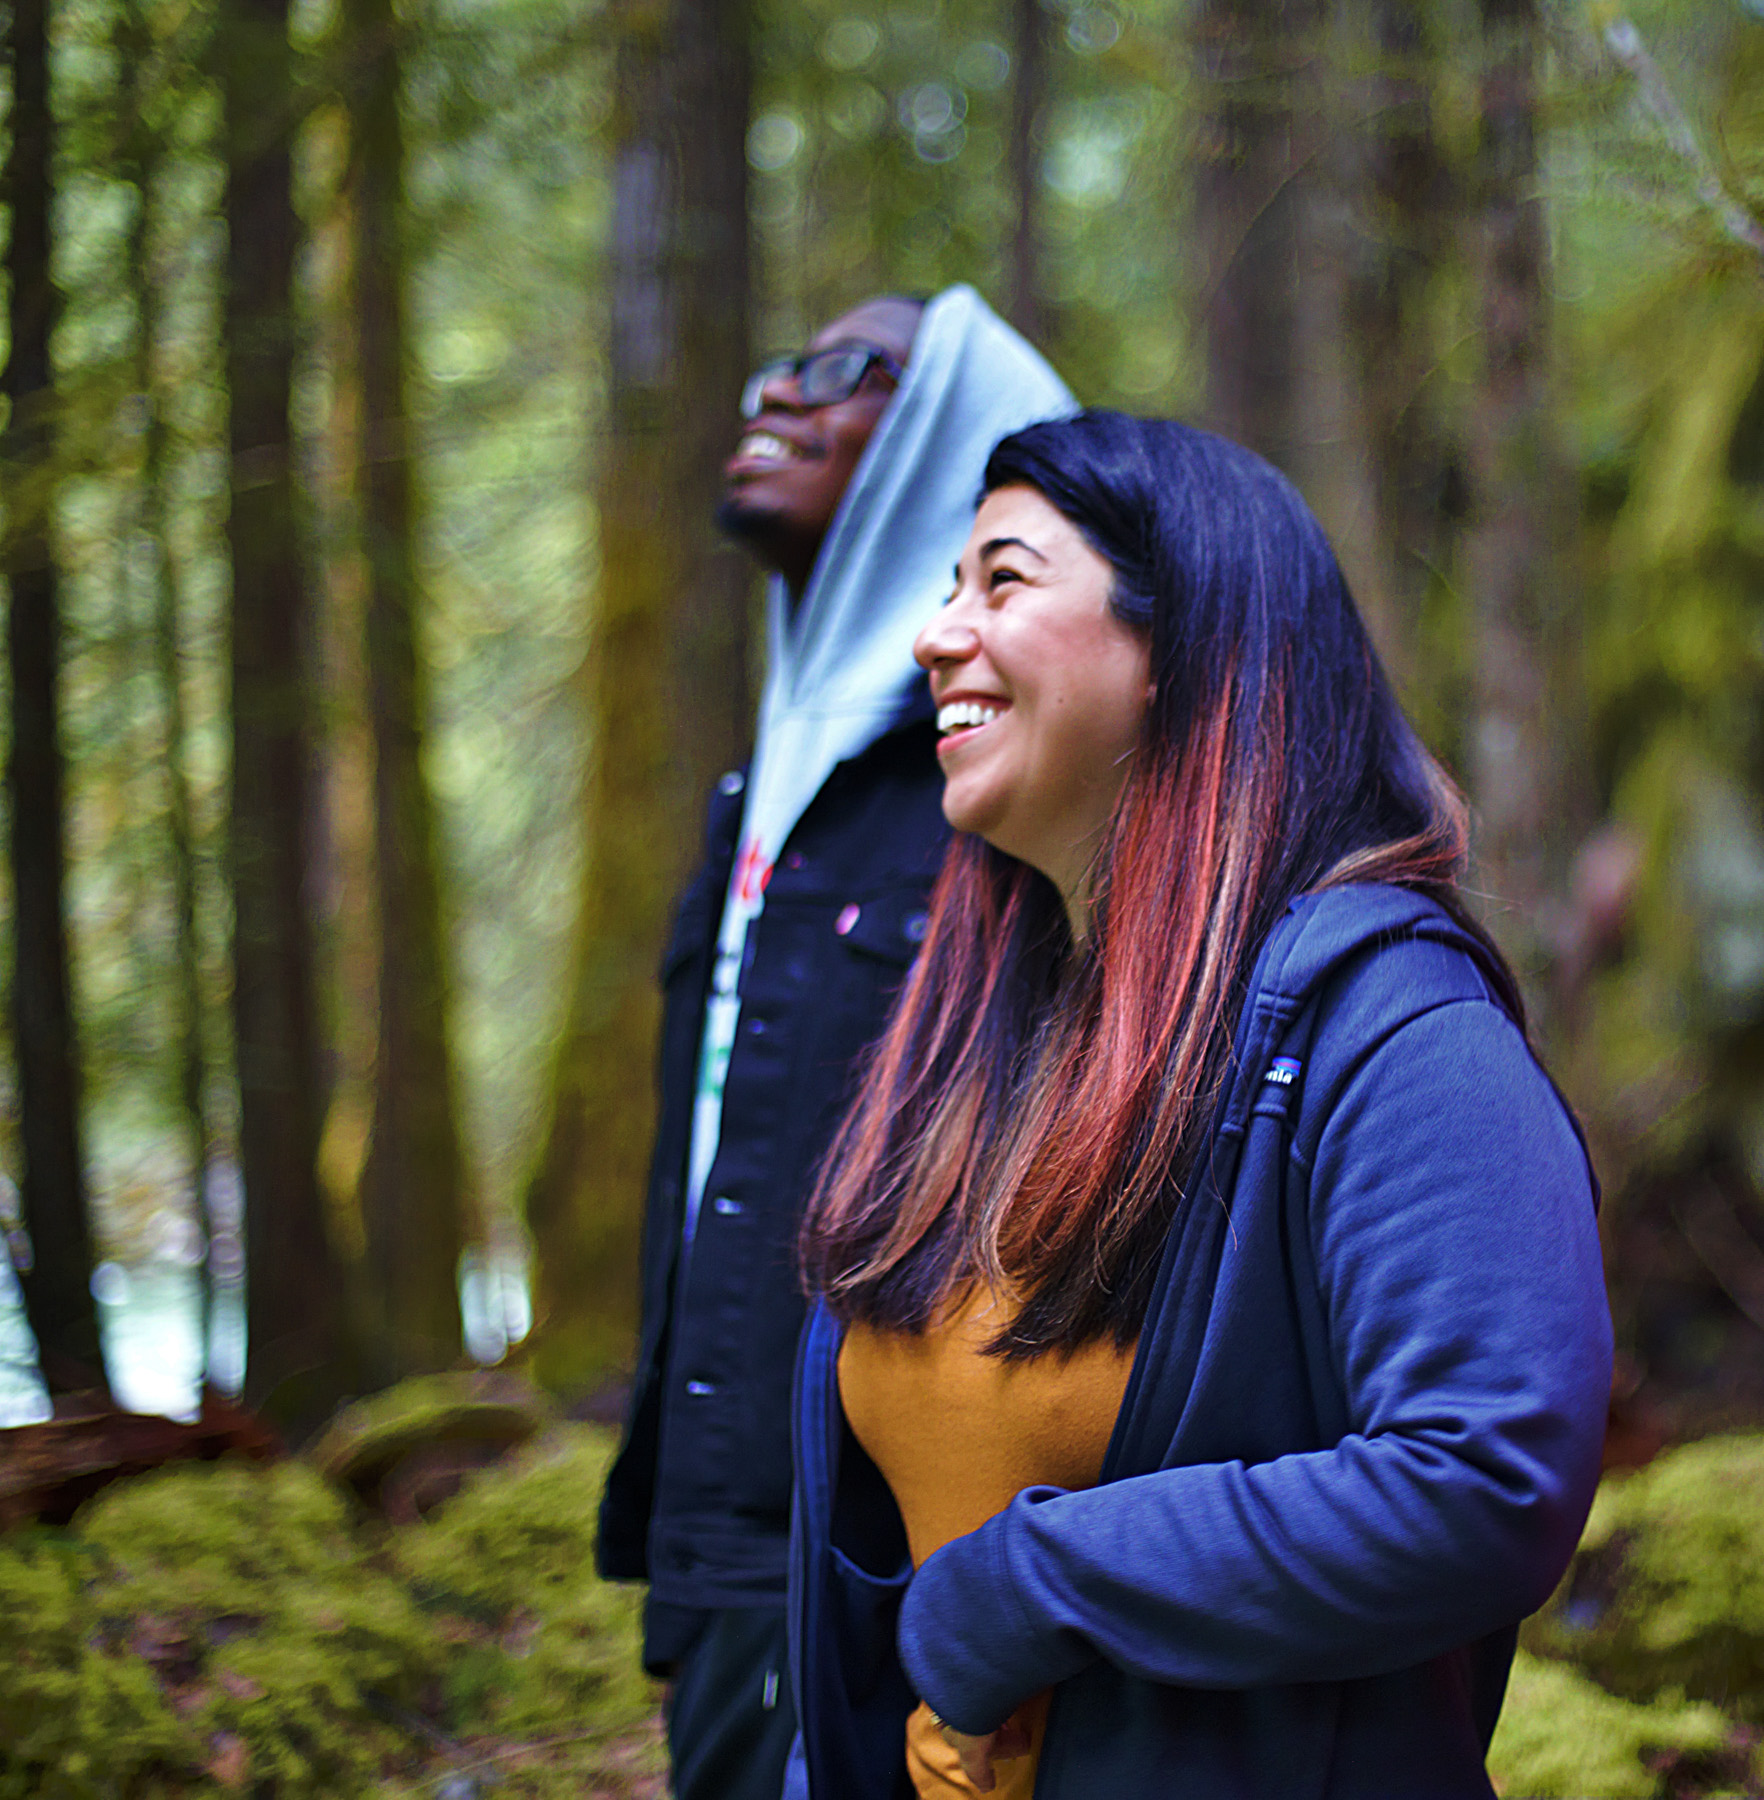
(1358, 1444)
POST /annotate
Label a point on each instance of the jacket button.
(756, 1028)
(848, 917)
(916, 926)
(793, 860)
(727, 1207)
(700, 1390)
(731, 784)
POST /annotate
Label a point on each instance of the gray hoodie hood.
(840, 670)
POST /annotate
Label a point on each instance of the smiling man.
(853, 483)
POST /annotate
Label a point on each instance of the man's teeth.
(958, 715)
(766, 444)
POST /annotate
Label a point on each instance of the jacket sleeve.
(1458, 1265)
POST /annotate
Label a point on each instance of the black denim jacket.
(698, 1501)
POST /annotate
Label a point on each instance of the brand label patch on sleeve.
(1283, 1071)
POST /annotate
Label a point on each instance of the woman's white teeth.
(958, 715)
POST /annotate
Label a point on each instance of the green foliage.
(369, 1436)
(1561, 1737)
(880, 151)
(75, 1720)
(217, 1620)
(514, 1552)
(1667, 1592)
(217, 1628)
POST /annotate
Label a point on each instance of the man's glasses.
(823, 377)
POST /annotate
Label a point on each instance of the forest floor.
(368, 1622)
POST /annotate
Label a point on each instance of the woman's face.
(1040, 689)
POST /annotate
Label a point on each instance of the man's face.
(794, 461)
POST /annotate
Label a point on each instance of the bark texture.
(1512, 566)
(1407, 203)
(1261, 139)
(135, 46)
(1029, 32)
(294, 1307)
(667, 669)
(413, 1198)
(56, 1285)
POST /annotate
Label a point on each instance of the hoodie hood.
(840, 670)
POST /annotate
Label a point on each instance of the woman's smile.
(1040, 688)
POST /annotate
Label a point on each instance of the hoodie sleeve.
(1458, 1264)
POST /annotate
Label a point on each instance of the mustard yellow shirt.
(957, 1435)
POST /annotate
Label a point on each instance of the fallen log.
(48, 1471)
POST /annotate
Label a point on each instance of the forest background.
(368, 372)
(368, 367)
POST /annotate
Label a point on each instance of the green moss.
(1561, 1737)
(368, 1437)
(514, 1551)
(1668, 1588)
(229, 1628)
(75, 1721)
(205, 1624)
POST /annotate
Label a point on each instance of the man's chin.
(751, 523)
(737, 516)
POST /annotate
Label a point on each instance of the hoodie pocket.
(864, 1610)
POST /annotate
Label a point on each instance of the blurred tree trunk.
(351, 884)
(1513, 567)
(1260, 140)
(413, 1184)
(57, 1285)
(1029, 33)
(294, 1315)
(667, 667)
(1406, 209)
(134, 39)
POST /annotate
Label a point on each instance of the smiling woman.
(1040, 690)
(1212, 1354)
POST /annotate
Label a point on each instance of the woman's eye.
(997, 577)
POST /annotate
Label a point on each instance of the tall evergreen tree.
(668, 664)
(1260, 139)
(294, 1287)
(1029, 34)
(413, 1184)
(1406, 208)
(142, 148)
(1514, 570)
(57, 1292)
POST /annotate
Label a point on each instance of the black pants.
(730, 1721)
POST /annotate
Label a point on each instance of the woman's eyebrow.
(1004, 543)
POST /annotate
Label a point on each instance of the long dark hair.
(1036, 1109)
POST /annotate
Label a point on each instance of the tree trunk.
(294, 1314)
(57, 1285)
(134, 39)
(413, 1184)
(1029, 30)
(350, 882)
(1406, 205)
(667, 669)
(1260, 141)
(1513, 569)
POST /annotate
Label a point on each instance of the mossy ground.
(229, 1629)
(232, 1629)
(1644, 1676)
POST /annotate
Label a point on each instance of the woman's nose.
(945, 639)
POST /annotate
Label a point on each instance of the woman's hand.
(978, 1754)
